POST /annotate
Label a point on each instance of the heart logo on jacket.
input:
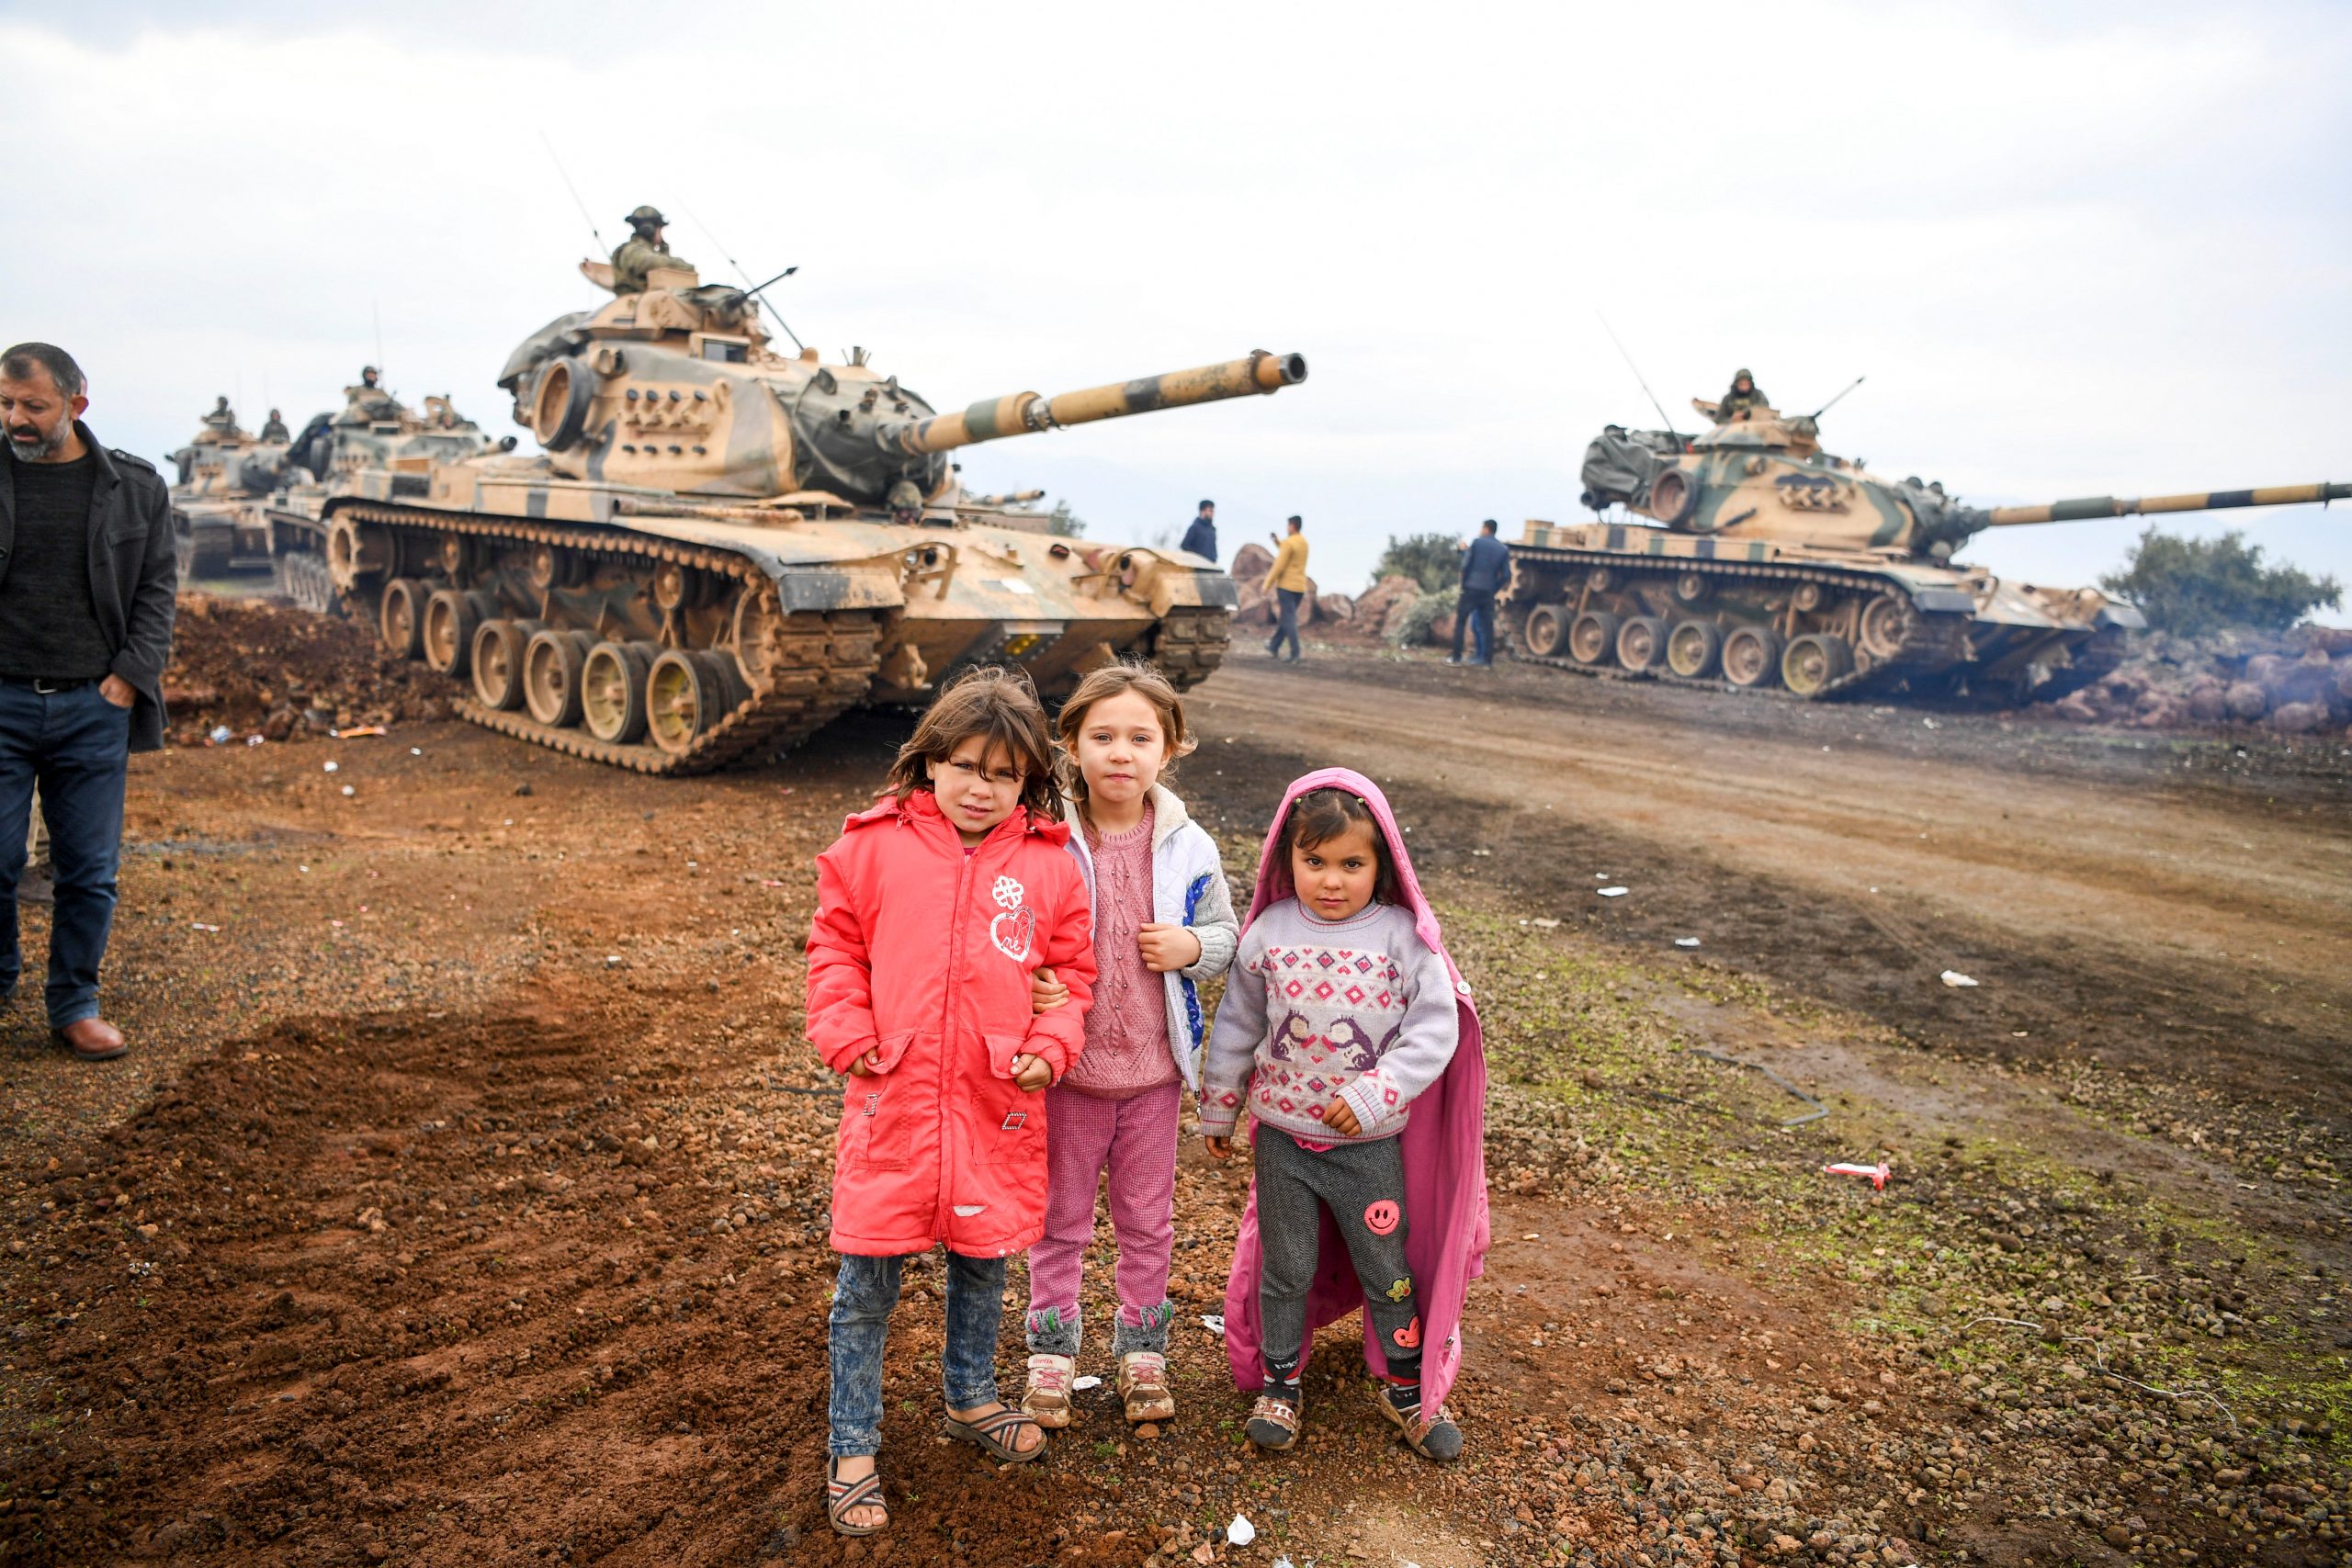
(1011, 933)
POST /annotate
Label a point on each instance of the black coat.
(1200, 540)
(1485, 565)
(133, 573)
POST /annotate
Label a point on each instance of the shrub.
(2194, 586)
(1433, 560)
(1413, 625)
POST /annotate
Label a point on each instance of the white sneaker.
(1047, 1399)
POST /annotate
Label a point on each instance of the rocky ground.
(464, 1199)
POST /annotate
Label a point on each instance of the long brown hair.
(998, 707)
(1110, 681)
(1323, 814)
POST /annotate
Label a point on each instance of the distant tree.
(1433, 560)
(2193, 586)
(1063, 520)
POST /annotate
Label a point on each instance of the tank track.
(1929, 641)
(831, 656)
(1191, 642)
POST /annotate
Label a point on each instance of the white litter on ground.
(1082, 1385)
(1954, 977)
(1214, 1322)
(1610, 892)
(1686, 942)
(1240, 1532)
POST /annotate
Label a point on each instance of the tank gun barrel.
(1022, 412)
(2201, 501)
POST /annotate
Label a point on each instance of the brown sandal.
(841, 1497)
(1273, 1423)
(988, 1433)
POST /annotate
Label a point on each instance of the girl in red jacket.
(933, 909)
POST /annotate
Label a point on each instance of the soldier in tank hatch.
(1742, 401)
(273, 428)
(644, 250)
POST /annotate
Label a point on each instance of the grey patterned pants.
(1363, 1186)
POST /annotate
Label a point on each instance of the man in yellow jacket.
(1287, 577)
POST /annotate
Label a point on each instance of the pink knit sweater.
(1127, 1029)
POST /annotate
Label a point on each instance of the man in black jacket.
(1200, 540)
(86, 578)
(1486, 567)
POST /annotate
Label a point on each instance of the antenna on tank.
(1638, 376)
(746, 277)
(560, 174)
(1833, 403)
(375, 312)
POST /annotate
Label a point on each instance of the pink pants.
(1135, 1139)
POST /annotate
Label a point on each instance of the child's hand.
(1220, 1148)
(867, 1065)
(1168, 947)
(1339, 1117)
(1045, 993)
(1031, 1073)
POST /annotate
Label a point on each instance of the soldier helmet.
(1742, 374)
(905, 497)
(648, 218)
(368, 370)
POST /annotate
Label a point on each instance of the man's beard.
(39, 448)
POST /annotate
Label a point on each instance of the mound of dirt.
(2298, 684)
(264, 667)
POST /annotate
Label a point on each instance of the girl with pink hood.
(1349, 1034)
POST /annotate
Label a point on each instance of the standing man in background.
(1200, 540)
(1486, 567)
(1287, 577)
(87, 577)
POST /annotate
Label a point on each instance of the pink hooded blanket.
(1444, 1145)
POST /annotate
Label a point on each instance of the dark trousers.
(1287, 626)
(1476, 614)
(1363, 1186)
(76, 746)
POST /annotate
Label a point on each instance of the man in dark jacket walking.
(1486, 567)
(86, 578)
(1200, 540)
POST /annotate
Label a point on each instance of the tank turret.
(676, 388)
(724, 547)
(1767, 561)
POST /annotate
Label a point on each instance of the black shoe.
(35, 887)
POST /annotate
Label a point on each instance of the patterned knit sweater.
(1360, 1010)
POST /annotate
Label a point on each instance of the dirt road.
(464, 1200)
(2149, 900)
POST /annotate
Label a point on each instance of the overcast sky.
(2078, 249)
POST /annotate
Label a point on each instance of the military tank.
(219, 500)
(377, 447)
(724, 547)
(1755, 561)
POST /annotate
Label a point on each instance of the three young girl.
(983, 972)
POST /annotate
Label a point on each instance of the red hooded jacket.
(925, 953)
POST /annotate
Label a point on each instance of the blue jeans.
(866, 1290)
(1286, 601)
(76, 745)
(1475, 615)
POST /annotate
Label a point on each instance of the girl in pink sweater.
(1163, 924)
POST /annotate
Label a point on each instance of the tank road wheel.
(1752, 655)
(451, 618)
(1673, 497)
(684, 698)
(1885, 627)
(611, 691)
(1815, 663)
(1547, 630)
(1692, 649)
(553, 662)
(1592, 637)
(1691, 588)
(401, 617)
(1641, 643)
(498, 662)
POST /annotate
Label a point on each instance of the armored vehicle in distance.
(725, 547)
(1766, 562)
(224, 480)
